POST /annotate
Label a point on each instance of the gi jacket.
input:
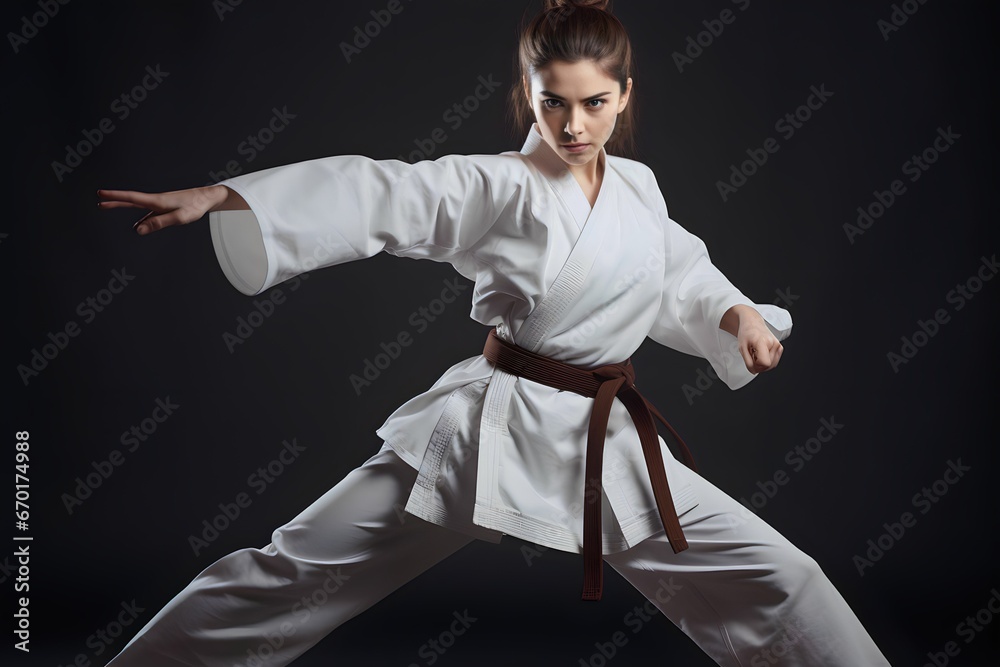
(497, 453)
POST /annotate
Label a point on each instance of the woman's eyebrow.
(549, 93)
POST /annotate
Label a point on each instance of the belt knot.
(624, 369)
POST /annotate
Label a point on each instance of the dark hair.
(571, 31)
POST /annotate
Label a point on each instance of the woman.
(575, 261)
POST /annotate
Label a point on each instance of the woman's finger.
(156, 223)
(139, 221)
(131, 196)
(148, 224)
(762, 358)
(768, 357)
(153, 223)
(118, 204)
(748, 359)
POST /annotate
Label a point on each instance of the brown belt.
(602, 383)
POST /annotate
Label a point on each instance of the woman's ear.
(625, 96)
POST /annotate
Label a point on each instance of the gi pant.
(745, 594)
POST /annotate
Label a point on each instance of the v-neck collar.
(563, 181)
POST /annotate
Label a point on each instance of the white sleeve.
(332, 210)
(696, 295)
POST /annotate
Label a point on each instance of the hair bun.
(592, 4)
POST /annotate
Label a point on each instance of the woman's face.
(575, 103)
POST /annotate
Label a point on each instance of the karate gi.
(484, 453)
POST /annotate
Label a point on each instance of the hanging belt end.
(593, 579)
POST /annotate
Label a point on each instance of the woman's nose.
(574, 124)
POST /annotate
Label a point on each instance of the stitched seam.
(722, 626)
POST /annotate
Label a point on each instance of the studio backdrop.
(836, 158)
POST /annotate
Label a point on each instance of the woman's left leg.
(744, 593)
(339, 556)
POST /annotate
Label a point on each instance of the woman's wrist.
(735, 315)
(222, 198)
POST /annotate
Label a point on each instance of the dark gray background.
(162, 336)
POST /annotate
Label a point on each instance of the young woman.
(543, 436)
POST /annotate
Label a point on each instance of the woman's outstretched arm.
(178, 207)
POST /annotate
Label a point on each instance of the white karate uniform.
(484, 453)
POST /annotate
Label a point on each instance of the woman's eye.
(556, 103)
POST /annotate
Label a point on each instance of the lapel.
(494, 436)
(569, 282)
(562, 181)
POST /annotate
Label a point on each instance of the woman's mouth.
(575, 148)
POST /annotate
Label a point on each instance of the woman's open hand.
(166, 209)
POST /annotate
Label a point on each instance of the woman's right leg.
(265, 607)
